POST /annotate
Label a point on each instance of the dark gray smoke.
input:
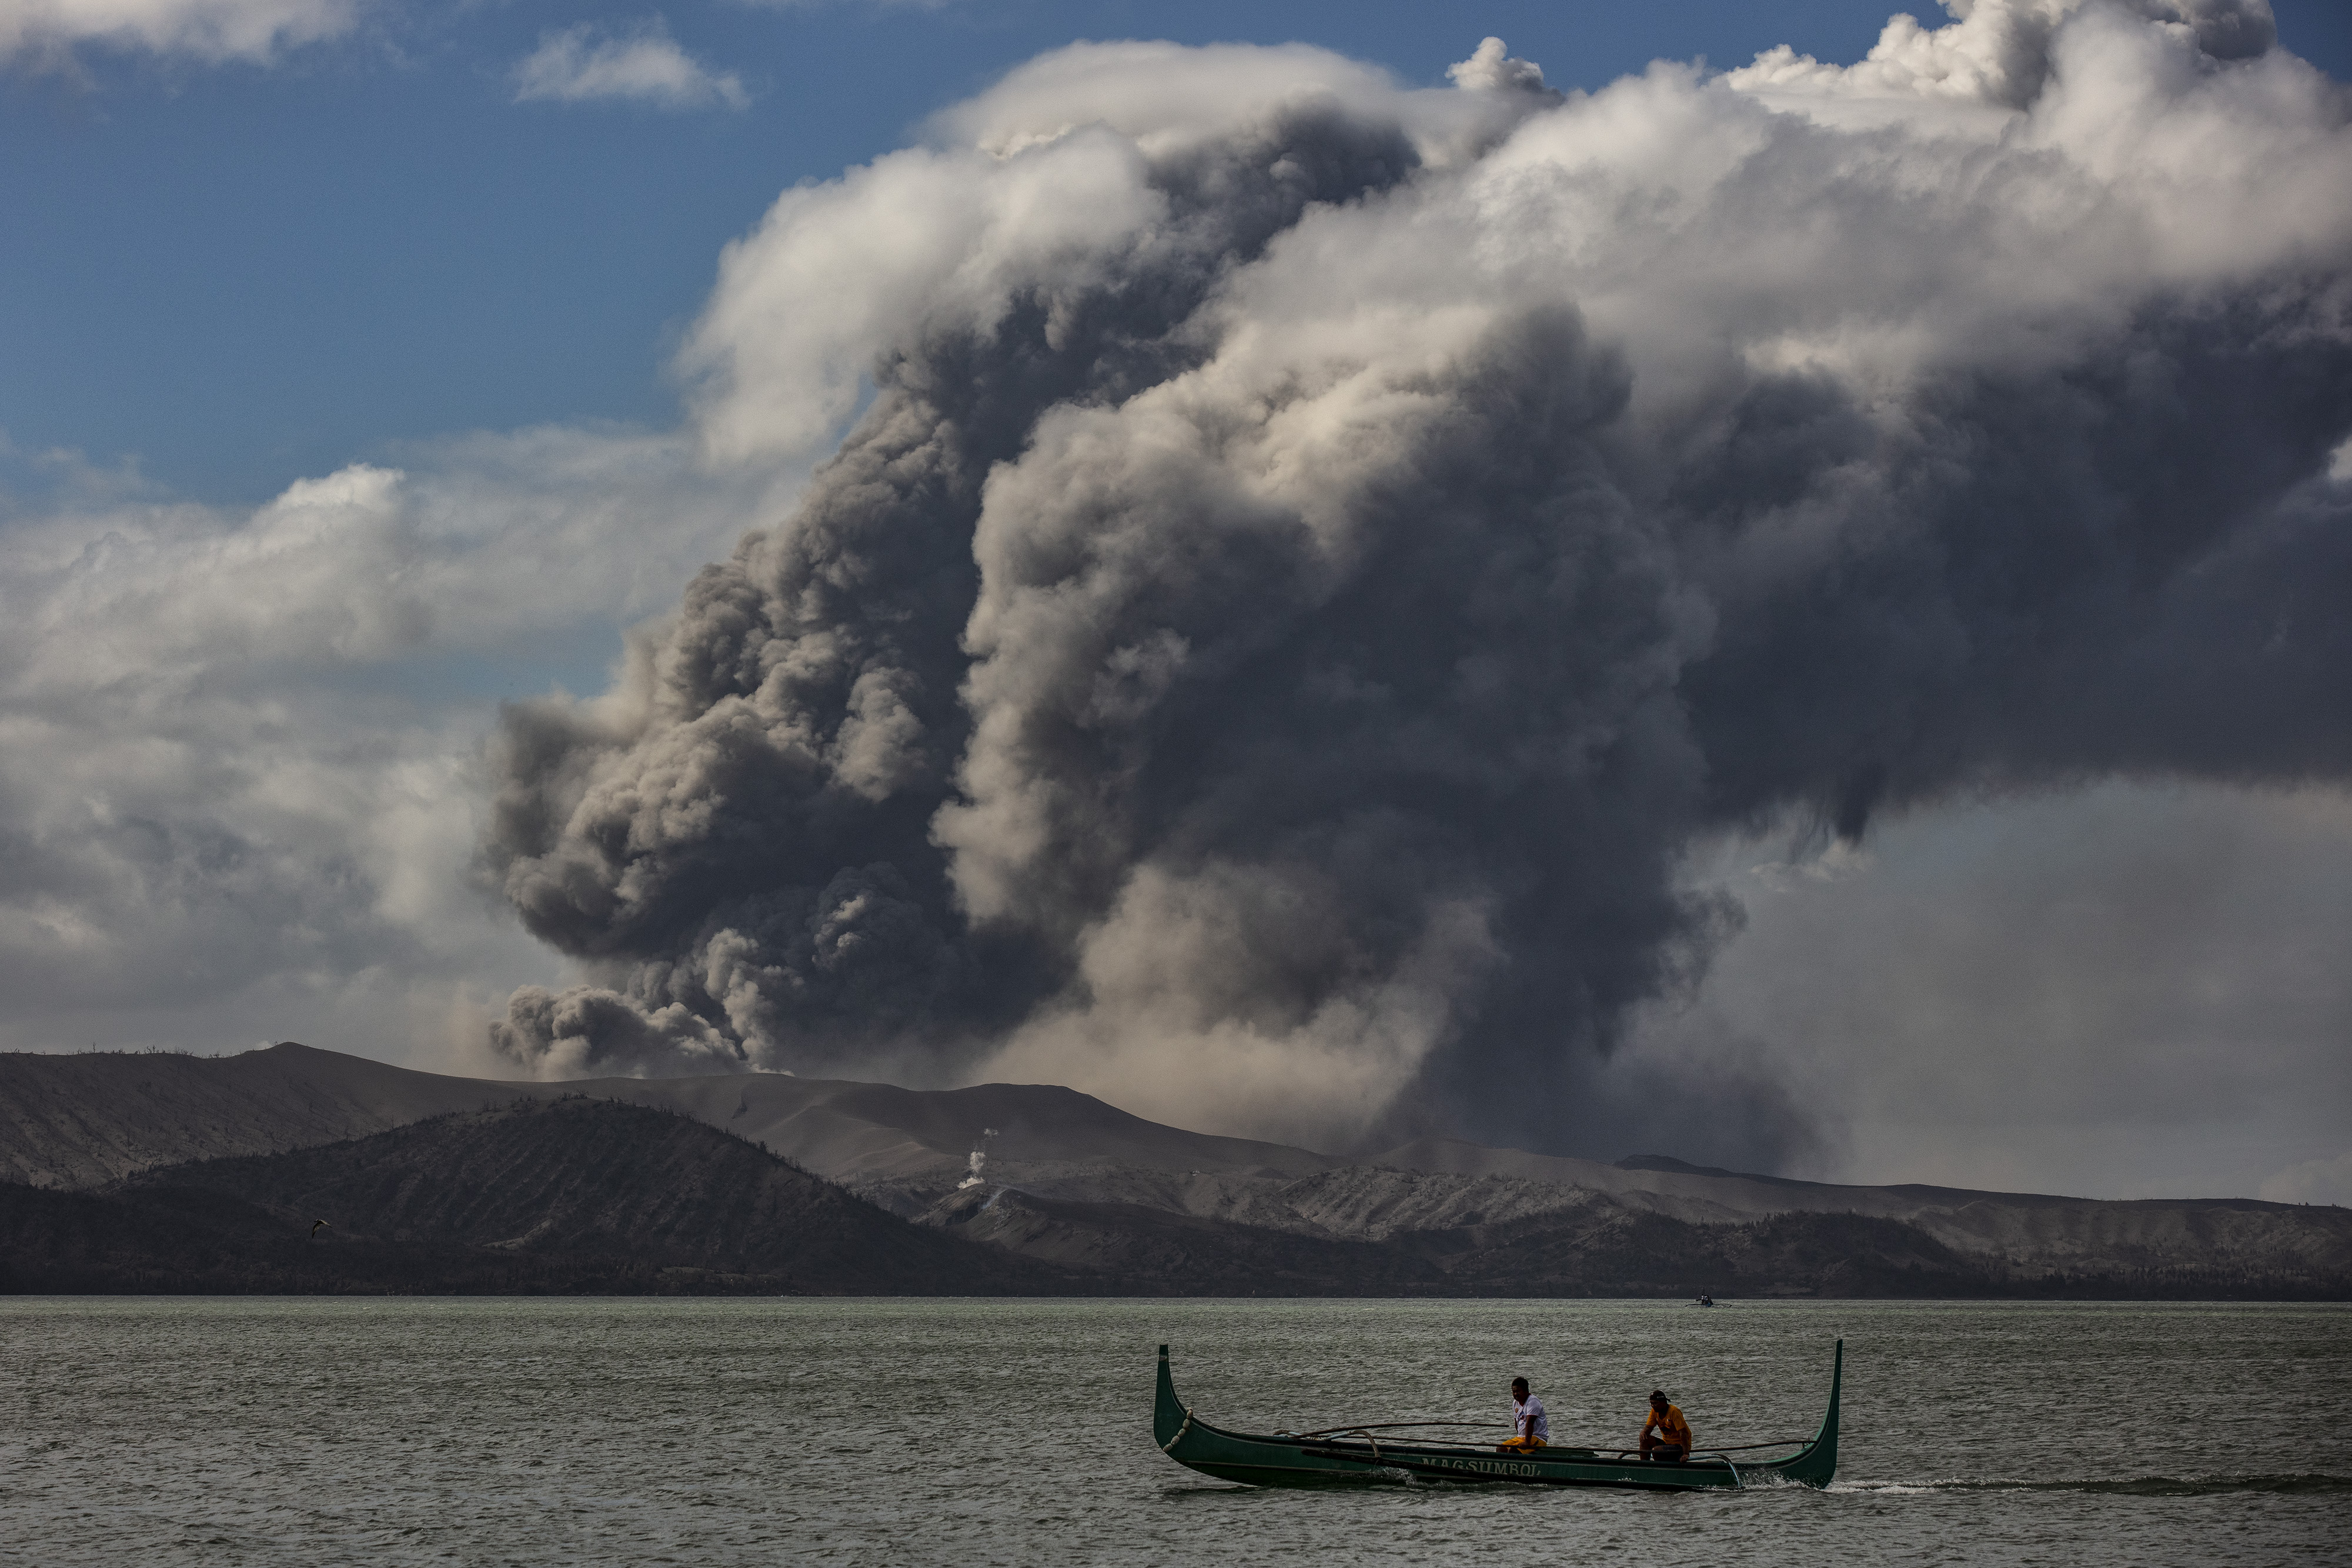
(1318, 553)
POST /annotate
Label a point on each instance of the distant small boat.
(1361, 1453)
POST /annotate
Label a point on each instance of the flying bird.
(316, 1227)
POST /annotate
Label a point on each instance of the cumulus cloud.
(645, 65)
(1999, 52)
(206, 29)
(240, 752)
(1491, 67)
(1316, 553)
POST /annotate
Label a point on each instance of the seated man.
(1530, 1427)
(1672, 1439)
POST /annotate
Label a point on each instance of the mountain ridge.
(1070, 1183)
(574, 1193)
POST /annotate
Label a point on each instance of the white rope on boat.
(1178, 1437)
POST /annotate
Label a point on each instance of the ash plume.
(1318, 552)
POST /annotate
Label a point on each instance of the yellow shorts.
(1520, 1446)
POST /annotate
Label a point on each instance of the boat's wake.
(2137, 1486)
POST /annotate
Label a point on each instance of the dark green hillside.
(570, 1195)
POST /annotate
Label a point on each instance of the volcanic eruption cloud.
(1309, 556)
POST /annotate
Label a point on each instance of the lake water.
(161, 1432)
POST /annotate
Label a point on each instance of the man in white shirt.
(1530, 1427)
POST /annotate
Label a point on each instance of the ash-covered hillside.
(1023, 1186)
(569, 1194)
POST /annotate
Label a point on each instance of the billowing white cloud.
(206, 29)
(240, 751)
(1492, 69)
(1043, 182)
(1999, 52)
(643, 65)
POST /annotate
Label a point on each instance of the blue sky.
(336, 408)
(236, 273)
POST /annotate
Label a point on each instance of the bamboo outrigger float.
(1359, 1453)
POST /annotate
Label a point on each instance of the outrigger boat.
(1362, 1453)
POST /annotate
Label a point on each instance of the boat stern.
(1168, 1412)
(1817, 1466)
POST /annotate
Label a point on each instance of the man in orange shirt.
(1672, 1439)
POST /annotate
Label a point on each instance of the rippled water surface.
(304, 1431)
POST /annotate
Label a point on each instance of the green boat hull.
(1281, 1459)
